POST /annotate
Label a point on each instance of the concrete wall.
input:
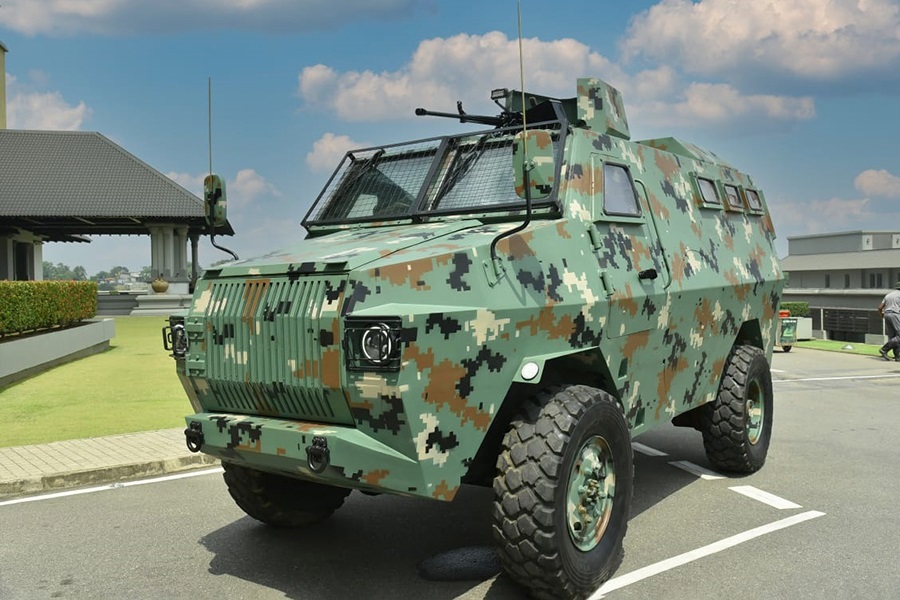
(820, 244)
(109, 305)
(24, 356)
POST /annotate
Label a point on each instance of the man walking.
(890, 310)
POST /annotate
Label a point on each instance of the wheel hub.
(755, 412)
(592, 486)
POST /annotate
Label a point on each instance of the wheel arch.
(576, 367)
(750, 334)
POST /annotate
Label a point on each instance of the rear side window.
(619, 197)
(734, 197)
(753, 200)
(708, 191)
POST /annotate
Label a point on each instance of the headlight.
(372, 344)
(175, 337)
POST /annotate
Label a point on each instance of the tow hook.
(317, 455)
(193, 436)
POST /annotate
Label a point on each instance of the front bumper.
(328, 454)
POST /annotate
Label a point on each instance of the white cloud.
(706, 104)
(805, 39)
(822, 216)
(878, 183)
(29, 109)
(248, 185)
(244, 189)
(329, 149)
(192, 183)
(443, 70)
(118, 17)
(466, 67)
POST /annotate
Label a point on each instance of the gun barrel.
(482, 119)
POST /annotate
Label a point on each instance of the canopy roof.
(65, 184)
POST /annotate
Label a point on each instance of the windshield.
(470, 173)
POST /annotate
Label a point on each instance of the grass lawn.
(131, 387)
(835, 346)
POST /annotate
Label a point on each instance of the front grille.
(272, 348)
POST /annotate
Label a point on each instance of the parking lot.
(818, 521)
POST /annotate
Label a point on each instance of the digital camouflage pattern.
(643, 302)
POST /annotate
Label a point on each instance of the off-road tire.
(281, 501)
(531, 524)
(733, 438)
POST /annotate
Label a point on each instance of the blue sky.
(803, 95)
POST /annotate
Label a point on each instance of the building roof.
(838, 261)
(64, 183)
(835, 234)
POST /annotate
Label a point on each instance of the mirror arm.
(498, 266)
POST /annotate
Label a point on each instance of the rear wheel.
(737, 425)
(281, 501)
(563, 492)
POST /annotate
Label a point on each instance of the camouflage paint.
(646, 306)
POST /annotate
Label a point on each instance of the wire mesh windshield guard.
(470, 173)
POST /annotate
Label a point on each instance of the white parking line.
(696, 470)
(844, 378)
(647, 449)
(764, 497)
(112, 486)
(683, 559)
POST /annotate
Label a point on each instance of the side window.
(619, 197)
(708, 191)
(753, 200)
(734, 197)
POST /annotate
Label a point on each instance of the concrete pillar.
(168, 252)
(168, 255)
(181, 262)
(38, 256)
(195, 259)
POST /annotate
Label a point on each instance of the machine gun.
(505, 119)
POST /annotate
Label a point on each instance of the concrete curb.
(103, 475)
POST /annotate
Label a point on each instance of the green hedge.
(30, 305)
(798, 309)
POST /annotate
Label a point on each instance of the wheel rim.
(592, 488)
(755, 411)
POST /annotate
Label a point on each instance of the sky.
(802, 95)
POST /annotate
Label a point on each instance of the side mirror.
(214, 200)
(533, 153)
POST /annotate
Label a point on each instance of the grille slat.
(257, 330)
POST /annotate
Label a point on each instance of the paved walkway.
(47, 467)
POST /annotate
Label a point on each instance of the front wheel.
(737, 425)
(278, 500)
(563, 492)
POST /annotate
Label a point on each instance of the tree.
(61, 272)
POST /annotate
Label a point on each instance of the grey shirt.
(891, 302)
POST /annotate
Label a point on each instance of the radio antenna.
(209, 118)
(495, 260)
(522, 73)
(212, 226)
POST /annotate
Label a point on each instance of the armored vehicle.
(506, 307)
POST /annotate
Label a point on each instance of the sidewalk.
(94, 461)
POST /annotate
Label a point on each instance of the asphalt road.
(832, 475)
